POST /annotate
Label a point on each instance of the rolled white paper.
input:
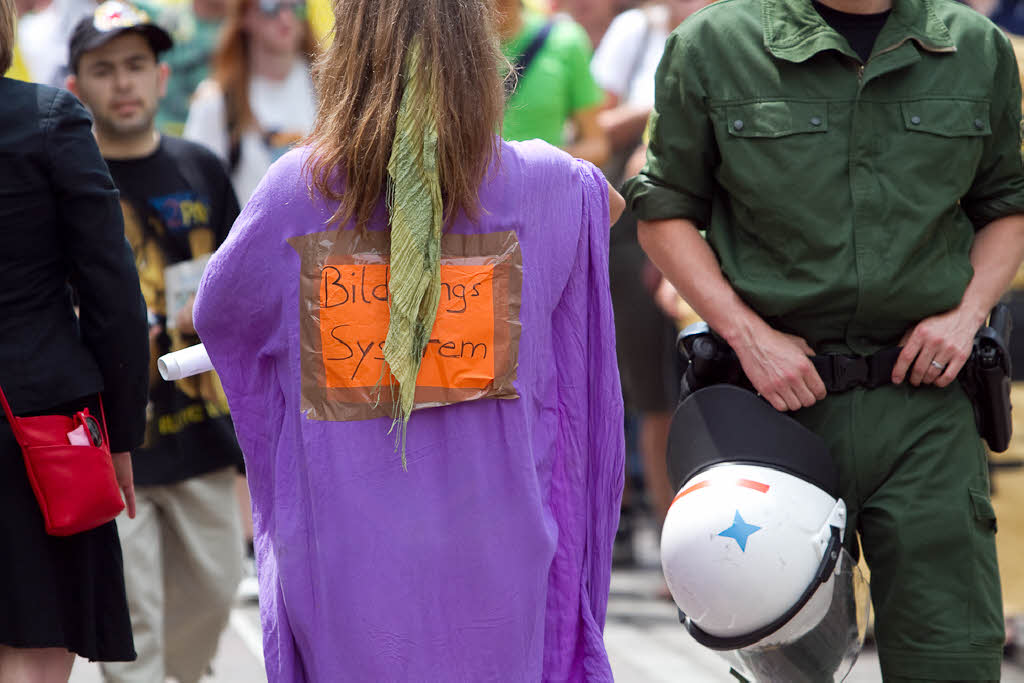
(184, 363)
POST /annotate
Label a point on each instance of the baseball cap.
(111, 19)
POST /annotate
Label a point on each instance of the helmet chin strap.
(836, 519)
(829, 563)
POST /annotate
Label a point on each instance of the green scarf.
(416, 211)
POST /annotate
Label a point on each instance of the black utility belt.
(985, 376)
(842, 372)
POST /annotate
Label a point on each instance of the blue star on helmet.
(740, 531)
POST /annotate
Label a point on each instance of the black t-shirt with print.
(178, 205)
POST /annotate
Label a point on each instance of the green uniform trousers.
(914, 476)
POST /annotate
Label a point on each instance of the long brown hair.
(360, 81)
(231, 68)
(8, 20)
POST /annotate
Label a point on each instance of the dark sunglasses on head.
(272, 7)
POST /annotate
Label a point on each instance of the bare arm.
(995, 256)
(125, 481)
(624, 124)
(591, 143)
(616, 204)
(946, 339)
(776, 363)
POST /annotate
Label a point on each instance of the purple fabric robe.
(490, 558)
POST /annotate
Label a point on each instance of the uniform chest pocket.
(769, 150)
(947, 118)
(775, 119)
(769, 147)
(947, 137)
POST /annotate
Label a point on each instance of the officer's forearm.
(996, 254)
(682, 255)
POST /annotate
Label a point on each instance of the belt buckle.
(849, 372)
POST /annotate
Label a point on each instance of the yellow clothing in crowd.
(18, 70)
(321, 17)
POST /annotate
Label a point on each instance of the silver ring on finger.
(938, 366)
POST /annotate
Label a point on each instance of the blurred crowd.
(239, 81)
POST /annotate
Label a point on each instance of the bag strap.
(18, 436)
(521, 63)
(103, 421)
(231, 118)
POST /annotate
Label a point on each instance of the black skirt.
(57, 591)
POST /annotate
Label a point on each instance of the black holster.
(985, 378)
(709, 360)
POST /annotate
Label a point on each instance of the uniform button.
(979, 124)
(815, 120)
(737, 124)
(915, 120)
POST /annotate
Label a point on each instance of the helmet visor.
(821, 642)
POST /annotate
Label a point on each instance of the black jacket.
(61, 228)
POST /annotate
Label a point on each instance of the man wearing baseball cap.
(110, 20)
(183, 550)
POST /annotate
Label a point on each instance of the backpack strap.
(231, 120)
(523, 61)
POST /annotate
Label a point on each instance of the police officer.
(856, 166)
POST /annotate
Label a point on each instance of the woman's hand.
(936, 348)
(780, 370)
(123, 470)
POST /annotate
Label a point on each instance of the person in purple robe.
(408, 263)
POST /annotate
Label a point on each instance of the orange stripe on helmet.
(756, 485)
(746, 483)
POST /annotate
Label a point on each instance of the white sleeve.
(206, 122)
(618, 51)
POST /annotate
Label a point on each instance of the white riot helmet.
(752, 547)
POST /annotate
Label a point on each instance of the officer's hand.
(935, 349)
(778, 367)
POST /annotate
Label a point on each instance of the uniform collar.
(794, 31)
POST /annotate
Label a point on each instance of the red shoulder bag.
(74, 483)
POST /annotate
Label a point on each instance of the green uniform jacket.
(840, 197)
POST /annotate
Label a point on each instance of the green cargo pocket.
(984, 513)
(986, 609)
(947, 118)
(776, 119)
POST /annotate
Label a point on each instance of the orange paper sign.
(354, 325)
